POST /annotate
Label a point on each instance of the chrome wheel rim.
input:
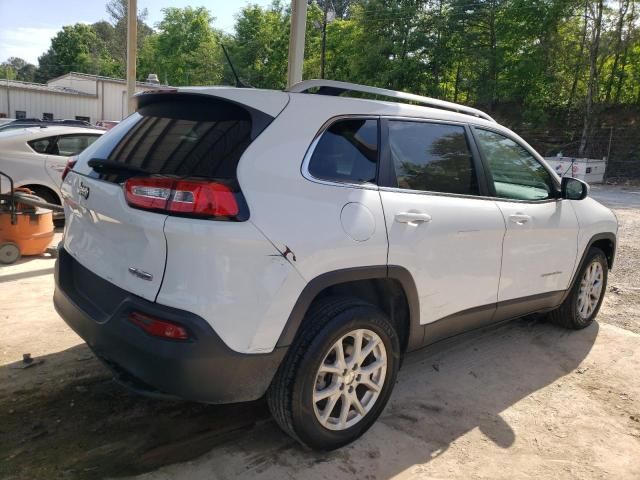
(350, 379)
(590, 290)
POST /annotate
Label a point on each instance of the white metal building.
(73, 95)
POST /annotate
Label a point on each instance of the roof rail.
(334, 87)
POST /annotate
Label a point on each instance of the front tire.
(338, 374)
(582, 305)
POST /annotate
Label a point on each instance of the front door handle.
(519, 218)
(412, 217)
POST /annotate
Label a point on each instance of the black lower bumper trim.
(202, 369)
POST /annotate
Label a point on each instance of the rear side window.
(432, 157)
(69, 145)
(182, 135)
(347, 152)
(41, 145)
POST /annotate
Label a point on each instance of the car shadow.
(72, 419)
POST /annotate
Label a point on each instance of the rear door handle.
(412, 217)
(519, 218)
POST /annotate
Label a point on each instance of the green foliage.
(75, 48)
(15, 68)
(534, 55)
(185, 50)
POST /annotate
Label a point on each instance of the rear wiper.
(103, 165)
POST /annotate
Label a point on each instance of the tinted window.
(347, 152)
(47, 116)
(187, 136)
(41, 145)
(432, 157)
(516, 173)
(69, 145)
(20, 114)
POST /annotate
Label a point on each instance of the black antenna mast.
(239, 83)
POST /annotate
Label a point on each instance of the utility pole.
(132, 43)
(296, 41)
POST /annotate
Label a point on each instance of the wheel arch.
(42, 187)
(391, 288)
(605, 241)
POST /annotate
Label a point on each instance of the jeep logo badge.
(83, 190)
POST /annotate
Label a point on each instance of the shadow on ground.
(70, 420)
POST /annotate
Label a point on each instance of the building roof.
(41, 87)
(89, 76)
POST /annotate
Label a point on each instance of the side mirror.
(573, 189)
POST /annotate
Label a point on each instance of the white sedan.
(36, 157)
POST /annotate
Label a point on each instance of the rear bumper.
(203, 369)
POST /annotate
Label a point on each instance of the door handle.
(412, 217)
(519, 218)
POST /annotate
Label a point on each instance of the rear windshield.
(182, 135)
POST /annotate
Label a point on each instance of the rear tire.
(325, 400)
(583, 303)
(49, 197)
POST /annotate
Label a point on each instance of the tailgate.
(120, 244)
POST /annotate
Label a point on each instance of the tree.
(260, 45)
(185, 51)
(15, 68)
(75, 48)
(116, 38)
(592, 85)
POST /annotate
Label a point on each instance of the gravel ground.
(521, 400)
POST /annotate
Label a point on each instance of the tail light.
(188, 197)
(159, 328)
(68, 167)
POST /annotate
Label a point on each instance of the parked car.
(36, 157)
(35, 122)
(224, 243)
(107, 124)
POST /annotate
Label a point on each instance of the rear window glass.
(347, 152)
(186, 136)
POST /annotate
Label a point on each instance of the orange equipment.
(25, 227)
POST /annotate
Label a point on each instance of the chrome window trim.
(304, 168)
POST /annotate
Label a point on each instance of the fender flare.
(336, 277)
(598, 236)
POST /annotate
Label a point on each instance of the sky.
(27, 26)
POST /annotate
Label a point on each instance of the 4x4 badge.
(83, 190)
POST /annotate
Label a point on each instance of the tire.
(572, 313)
(291, 394)
(9, 253)
(49, 197)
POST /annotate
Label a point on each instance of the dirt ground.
(522, 400)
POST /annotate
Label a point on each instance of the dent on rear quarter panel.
(231, 275)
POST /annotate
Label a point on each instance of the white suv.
(225, 243)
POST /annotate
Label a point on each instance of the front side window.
(516, 173)
(69, 145)
(432, 157)
(347, 152)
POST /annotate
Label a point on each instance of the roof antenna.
(239, 83)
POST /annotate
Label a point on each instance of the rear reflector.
(189, 197)
(69, 166)
(159, 328)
